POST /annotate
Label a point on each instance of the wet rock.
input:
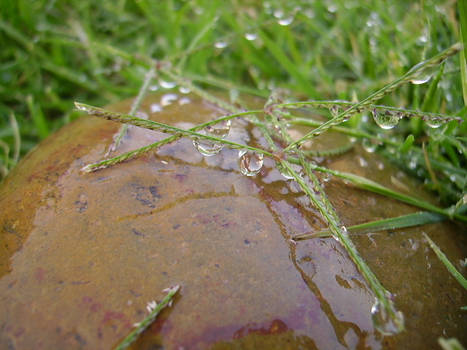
(82, 254)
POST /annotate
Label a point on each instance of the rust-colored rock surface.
(82, 254)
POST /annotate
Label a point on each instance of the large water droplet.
(386, 119)
(382, 319)
(421, 79)
(250, 162)
(210, 148)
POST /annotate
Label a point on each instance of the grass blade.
(409, 220)
(456, 274)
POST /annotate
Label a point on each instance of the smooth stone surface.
(82, 254)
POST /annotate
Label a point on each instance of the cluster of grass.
(56, 52)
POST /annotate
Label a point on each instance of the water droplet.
(362, 162)
(220, 45)
(250, 162)
(279, 13)
(285, 21)
(284, 172)
(167, 99)
(210, 148)
(154, 87)
(388, 322)
(421, 79)
(251, 36)
(385, 119)
(184, 101)
(184, 90)
(413, 163)
(81, 107)
(167, 84)
(141, 115)
(434, 122)
(155, 108)
(369, 146)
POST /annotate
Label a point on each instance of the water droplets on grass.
(386, 119)
(382, 319)
(250, 162)
(210, 148)
(284, 172)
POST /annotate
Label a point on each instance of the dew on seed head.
(387, 322)
(167, 84)
(250, 162)
(155, 108)
(386, 119)
(251, 36)
(167, 99)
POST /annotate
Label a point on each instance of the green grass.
(57, 52)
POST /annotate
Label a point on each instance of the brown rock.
(82, 254)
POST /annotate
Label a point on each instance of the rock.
(81, 255)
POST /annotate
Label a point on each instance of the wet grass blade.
(141, 326)
(441, 256)
(409, 220)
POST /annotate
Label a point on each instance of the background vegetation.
(55, 52)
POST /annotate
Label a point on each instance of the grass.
(56, 52)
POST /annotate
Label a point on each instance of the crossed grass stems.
(277, 116)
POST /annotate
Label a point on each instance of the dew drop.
(382, 319)
(184, 90)
(284, 172)
(81, 107)
(369, 146)
(434, 122)
(220, 45)
(167, 84)
(278, 13)
(285, 21)
(421, 79)
(184, 101)
(155, 108)
(385, 119)
(154, 87)
(251, 36)
(250, 162)
(167, 99)
(210, 148)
